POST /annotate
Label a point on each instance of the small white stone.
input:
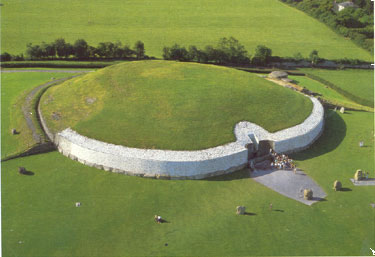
(78, 204)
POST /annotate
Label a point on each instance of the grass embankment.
(328, 93)
(14, 88)
(162, 23)
(116, 216)
(356, 85)
(170, 105)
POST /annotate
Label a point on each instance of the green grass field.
(357, 82)
(162, 23)
(327, 93)
(116, 216)
(14, 87)
(170, 105)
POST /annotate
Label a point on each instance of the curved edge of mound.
(138, 105)
(189, 164)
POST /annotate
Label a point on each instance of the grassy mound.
(170, 105)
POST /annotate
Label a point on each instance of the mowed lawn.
(170, 105)
(160, 23)
(357, 82)
(14, 86)
(325, 92)
(116, 215)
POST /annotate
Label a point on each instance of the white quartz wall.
(188, 164)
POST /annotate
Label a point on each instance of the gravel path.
(289, 184)
(29, 111)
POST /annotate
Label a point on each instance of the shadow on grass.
(249, 214)
(27, 173)
(333, 134)
(319, 199)
(345, 189)
(279, 210)
(240, 174)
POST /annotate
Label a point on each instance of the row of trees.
(355, 23)
(230, 51)
(81, 50)
(227, 51)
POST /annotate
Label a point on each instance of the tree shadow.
(333, 134)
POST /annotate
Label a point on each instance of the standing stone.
(22, 170)
(337, 185)
(78, 204)
(307, 194)
(335, 109)
(241, 210)
(358, 175)
(361, 144)
(342, 110)
(14, 131)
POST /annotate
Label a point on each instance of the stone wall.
(187, 164)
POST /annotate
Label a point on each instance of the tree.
(4, 57)
(232, 51)
(139, 49)
(33, 51)
(262, 55)
(69, 50)
(298, 57)
(128, 52)
(61, 47)
(314, 57)
(81, 48)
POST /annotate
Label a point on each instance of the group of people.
(281, 161)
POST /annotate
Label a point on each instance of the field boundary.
(341, 91)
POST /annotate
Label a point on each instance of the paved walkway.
(29, 111)
(366, 182)
(289, 184)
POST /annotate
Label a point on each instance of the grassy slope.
(326, 92)
(357, 82)
(160, 23)
(116, 216)
(14, 86)
(170, 105)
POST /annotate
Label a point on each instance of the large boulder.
(240, 210)
(278, 75)
(307, 194)
(358, 175)
(337, 185)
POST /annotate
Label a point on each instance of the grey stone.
(342, 110)
(240, 210)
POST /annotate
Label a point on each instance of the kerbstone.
(199, 164)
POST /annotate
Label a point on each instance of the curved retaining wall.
(187, 164)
